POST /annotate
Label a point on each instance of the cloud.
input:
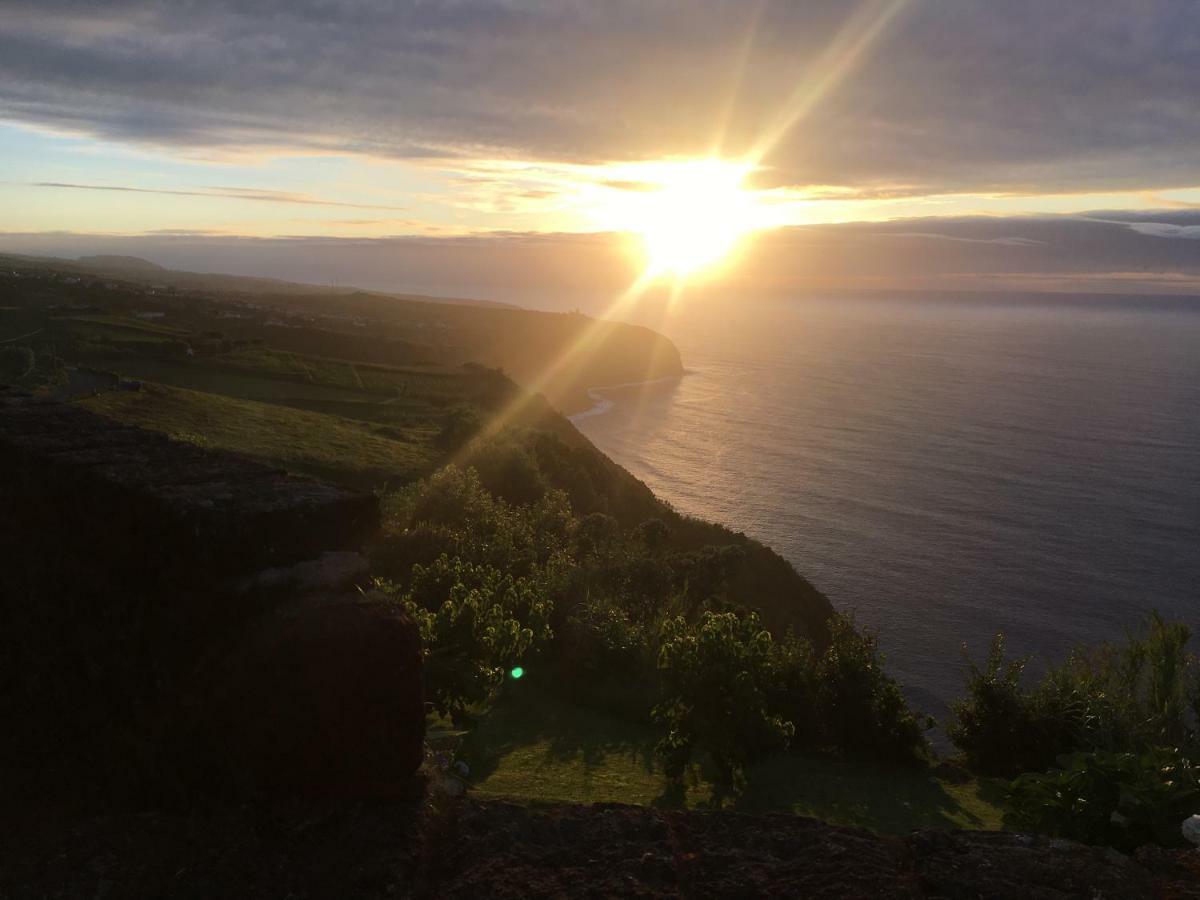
(933, 235)
(1057, 253)
(253, 194)
(972, 95)
(1167, 230)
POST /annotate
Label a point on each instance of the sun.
(695, 217)
(688, 215)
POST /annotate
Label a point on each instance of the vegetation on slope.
(536, 747)
(293, 439)
(1108, 741)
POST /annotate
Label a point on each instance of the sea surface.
(945, 468)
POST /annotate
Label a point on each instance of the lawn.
(534, 748)
(295, 439)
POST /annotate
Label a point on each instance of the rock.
(321, 699)
(336, 570)
(122, 552)
(479, 848)
(998, 864)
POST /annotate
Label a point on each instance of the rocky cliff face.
(133, 560)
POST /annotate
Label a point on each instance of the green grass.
(537, 749)
(294, 439)
(124, 323)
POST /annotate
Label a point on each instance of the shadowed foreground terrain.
(497, 849)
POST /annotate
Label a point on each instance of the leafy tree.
(451, 512)
(793, 690)
(716, 687)
(652, 534)
(596, 534)
(476, 622)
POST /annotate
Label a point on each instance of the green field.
(295, 439)
(534, 748)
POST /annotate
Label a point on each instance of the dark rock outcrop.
(495, 849)
(321, 697)
(131, 558)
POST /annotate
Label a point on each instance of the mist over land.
(1151, 252)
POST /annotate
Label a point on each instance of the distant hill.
(121, 263)
(141, 270)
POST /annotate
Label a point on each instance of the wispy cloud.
(933, 235)
(230, 193)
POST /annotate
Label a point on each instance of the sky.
(444, 143)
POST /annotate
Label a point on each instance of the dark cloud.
(962, 95)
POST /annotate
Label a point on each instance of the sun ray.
(853, 40)
(588, 343)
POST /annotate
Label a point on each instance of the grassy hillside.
(533, 747)
(558, 354)
(293, 439)
(487, 489)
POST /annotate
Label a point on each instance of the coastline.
(602, 404)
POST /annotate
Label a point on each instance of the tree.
(862, 708)
(716, 679)
(476, 623)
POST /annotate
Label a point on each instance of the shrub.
(508, 470)
(862, 709)
(716, 684)
(999, 727)
(460, 423)
(1122, 800)
(1128, 697)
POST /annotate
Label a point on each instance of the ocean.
(944, 468)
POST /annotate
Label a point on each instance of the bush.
(716, 683)
(862, 709)
(1128, 697)
(460, 423)
(508, 471)
(1122, 800)
(999, 727)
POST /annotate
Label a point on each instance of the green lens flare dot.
(517, 672)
